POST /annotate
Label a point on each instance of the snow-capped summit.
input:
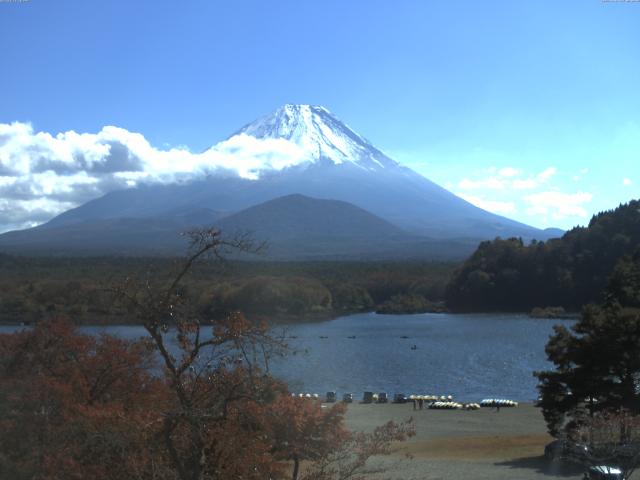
(319, 134)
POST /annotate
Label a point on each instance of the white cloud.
(249, 156)
(49, 183)
(495, 206)
(507, 178)
(508, 172)
(538, 197)
(492, 183)
(546, 174)
(525, 184)
(42, 175)
(626, 182)
(581, 173)
(558, 205)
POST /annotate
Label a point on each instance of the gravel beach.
(457, 444)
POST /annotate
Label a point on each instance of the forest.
(568, 272)
(501, 275)
(34, 288)
(591, 394)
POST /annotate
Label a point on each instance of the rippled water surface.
(468, 356)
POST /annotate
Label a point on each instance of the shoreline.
(283, 320)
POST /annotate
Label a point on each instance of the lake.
(470, 356)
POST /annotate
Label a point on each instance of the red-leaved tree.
(192, 401)
(76, 406)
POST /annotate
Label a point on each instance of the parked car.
(330, 397)
(399, 398)
(347, 397)
(603, 472)
(382, 397)
(367, 397)
(563, 449)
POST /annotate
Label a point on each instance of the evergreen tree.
(597, 360)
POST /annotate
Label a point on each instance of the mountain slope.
(399, 196)
(335, 164)
(294, 227)
(152, 235)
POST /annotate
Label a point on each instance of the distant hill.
(553, 233)
(303, 228)
(295, 227)
(569, 272)
(298, 216)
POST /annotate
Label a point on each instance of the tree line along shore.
(504, 275)
(33, 288)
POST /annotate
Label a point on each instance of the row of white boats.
(498, 402)
(453, 406)
(438, 402)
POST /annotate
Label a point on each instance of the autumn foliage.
(300, 430)
(75, 406)
(192, 400)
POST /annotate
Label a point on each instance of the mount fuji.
(384, 209)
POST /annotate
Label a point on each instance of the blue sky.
(529, 109)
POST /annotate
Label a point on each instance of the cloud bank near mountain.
(510, 191)
(42, 175)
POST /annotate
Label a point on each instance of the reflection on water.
(469, 356)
